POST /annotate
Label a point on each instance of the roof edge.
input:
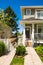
(31, 6)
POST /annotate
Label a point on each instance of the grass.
(39, 50)
(41, 58)
(17, 61)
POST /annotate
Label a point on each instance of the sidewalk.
(6, 60)
(32, 58)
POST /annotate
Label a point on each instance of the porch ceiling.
(31, 21)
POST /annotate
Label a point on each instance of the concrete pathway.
(6, 60)
(32, 58)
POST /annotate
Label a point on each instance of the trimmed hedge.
(2, 48)
(20, 50)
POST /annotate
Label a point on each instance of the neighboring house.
(32, 19)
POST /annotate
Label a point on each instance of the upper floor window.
(28, 11)
(40, 14)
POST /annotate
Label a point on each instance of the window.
(40, 14)
(40, 29)
(28, 11)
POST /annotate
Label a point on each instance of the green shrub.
(20, 50)
(2, 48)
(39, 49)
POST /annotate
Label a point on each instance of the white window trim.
(30, 11)
(36, 14)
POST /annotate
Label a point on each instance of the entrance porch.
(32, 33)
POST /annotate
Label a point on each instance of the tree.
(18, 34)
(11, 19)
(8, 19)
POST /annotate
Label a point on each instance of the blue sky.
(15, 5)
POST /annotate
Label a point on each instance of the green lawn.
(39, 50)
(17, 61)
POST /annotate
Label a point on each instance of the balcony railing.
(38, 36)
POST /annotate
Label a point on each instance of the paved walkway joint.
(32, 58)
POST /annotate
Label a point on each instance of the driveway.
(32, 58)
(6, 59)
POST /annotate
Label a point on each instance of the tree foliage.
(18, 34)
(11, 18)
(8, 18)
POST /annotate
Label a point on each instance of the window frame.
(29, 10)
(36, 14)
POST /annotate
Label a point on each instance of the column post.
(32, 34)
(23, 36)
